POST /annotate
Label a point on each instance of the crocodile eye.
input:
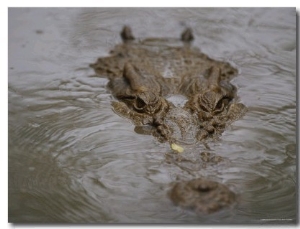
(221, 104)
(140, 104)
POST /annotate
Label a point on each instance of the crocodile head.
(142, 74)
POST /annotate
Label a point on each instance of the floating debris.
(177, 148)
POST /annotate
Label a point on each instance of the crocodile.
(144, 74)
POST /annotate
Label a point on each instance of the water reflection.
(71, 159)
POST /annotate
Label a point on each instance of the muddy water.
(71, 159)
